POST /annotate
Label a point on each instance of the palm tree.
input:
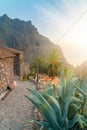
(53, 62)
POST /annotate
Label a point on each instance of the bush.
(25, 77)
(32, 73)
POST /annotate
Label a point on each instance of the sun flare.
(74, 43)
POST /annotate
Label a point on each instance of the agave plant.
(82, 91)
(64, 89)
(54, 117)
(61, 111)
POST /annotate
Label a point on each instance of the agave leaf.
(64, 125)
(50, 129)
(80, 90)
(78, 119)
(73, 109)
(63, 129)
(37, 105)
(40, 123)
(43, 111)
(49, 84)
(43, 124)
(65, 88)
(68, 102)
(49, 91)
(56, 107)
(59, 90)
(75, 81)
(81, 97)
(42, 127)
(63, 84)
(70, 88)
(44, 107)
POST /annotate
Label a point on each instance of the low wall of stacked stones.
(6, 74)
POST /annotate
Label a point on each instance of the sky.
(63, 21)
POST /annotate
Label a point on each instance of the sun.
(74, 44)
(78, 33)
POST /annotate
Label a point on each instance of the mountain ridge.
(24, 36)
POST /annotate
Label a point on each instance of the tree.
(38, 63)
(53, 62)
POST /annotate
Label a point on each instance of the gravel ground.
(15, 110)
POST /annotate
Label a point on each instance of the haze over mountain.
(82, 69)
(22, 35)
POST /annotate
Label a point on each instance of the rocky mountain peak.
(22, 35)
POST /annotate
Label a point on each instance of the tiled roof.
(6, 52)
(10, 49)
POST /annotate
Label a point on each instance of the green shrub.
(32, 73)
(25, 77)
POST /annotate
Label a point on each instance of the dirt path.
(15, 110)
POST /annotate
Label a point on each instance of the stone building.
(11, 66)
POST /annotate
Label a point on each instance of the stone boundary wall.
(6, 74)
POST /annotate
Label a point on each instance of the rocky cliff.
(22, 35)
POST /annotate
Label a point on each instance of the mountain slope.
(24, 36)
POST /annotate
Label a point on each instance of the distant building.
(11, 66)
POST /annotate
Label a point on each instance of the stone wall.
(6, 74)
